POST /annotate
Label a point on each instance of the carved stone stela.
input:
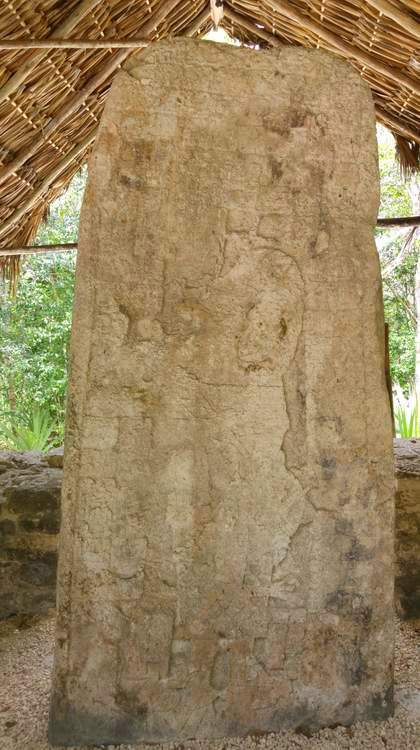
(226, 554)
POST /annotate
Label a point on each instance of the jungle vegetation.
(35, 323)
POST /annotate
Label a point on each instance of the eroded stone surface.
(407, 457)
(29, 525)
(407, 530)
(226, 561)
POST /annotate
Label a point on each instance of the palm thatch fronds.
(51, 98)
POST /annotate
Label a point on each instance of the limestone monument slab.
(226, 552)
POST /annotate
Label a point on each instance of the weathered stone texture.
(407, 527)
(29, 525)
(226, 560)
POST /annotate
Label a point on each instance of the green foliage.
(406, 412)
(399, 306)
(34, 433)
(35, 328)
(395, 194)
(398, 262)
(62, 224)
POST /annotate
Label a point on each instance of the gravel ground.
(25, 665)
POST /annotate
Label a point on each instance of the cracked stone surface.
(226, 554)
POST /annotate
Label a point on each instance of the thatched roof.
(51, 98)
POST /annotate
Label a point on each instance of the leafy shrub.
(35, 432)
(406, 413)
(35, 324)
(34, 334)
(399, 260)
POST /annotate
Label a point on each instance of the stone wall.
(407, 574)
(30, 487)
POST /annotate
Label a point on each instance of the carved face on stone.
(273, 322)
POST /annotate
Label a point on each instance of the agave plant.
(28, 433)
(406, 413)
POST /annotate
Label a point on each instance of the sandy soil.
(26, 651)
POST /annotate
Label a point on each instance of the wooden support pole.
(37, 249)
(403, 221)
(6, 44)
(403, 19)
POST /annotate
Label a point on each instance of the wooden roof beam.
(37, 249)
(62, 30)
(283, 8)
(69, 109)
(6, 44)
(241, 20)
(70, 22)
(198, 22)
(397, 125)
(156, 18)
(47, 182)
(80, 97)
(391, 122)
(403, 19)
